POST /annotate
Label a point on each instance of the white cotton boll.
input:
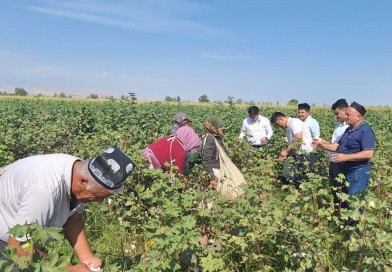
(94, 268)
(110, 201)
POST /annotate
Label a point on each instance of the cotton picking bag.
(229, 176)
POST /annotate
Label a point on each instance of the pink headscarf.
(188, 138)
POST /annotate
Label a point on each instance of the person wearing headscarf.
(180, 120)
(213, 127)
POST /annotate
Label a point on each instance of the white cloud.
(142, 16)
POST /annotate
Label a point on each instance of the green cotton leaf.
(211, 264)
(52, 264)
(205, 212)
(8, 268)
(187, 200)
(55, 233)
(40, 236)
(239, 241)
(63, 262)
(22, 262)
(19, 230)
(189, 222)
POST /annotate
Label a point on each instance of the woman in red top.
(165, 153)
(171, 150)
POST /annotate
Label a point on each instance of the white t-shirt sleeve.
(243, 129)
(268, 129)
(296, 126)
(36, 206)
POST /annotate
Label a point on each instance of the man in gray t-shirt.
(51, 189)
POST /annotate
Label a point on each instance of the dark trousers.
(296, 166)
(338, 185)
(258, 146)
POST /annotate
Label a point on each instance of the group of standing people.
(350, 149)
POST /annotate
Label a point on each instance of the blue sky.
(316, 51)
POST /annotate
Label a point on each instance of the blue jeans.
(358, 179)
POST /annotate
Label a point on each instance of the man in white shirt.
(339, 108)
(256, 128)
(51, 189)
(299, 145)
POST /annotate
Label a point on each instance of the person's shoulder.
(366, 127)
(246, 120)
(185, 129)
(315, 120)
(311, 116)
(264, 119)
(295, 121)
(45, 159)
(209, 138)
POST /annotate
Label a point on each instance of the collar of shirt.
(357, 127)
(257, 121)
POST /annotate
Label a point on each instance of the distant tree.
(62, 95)
(169, 99)
(178, 99)
(239, 101)
(204, 98)
(93, 96)
(123, 97)
(40, 95)
(55, 95)
(20, 92)
(133, 97)
(230, 101)
(292, 102)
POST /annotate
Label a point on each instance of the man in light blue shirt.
(312, 124)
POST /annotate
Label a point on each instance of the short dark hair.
(340, 104)
(304, 106)
(275, 116)
(253, 110)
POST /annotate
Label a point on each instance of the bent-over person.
(299, 145)
(51, 190)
